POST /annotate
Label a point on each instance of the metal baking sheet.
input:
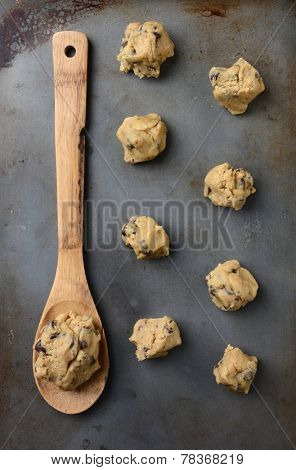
(171, 403)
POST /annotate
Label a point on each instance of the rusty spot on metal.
(26, 26)
(194, 183)
(206, 8)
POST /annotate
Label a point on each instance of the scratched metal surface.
(170, 403)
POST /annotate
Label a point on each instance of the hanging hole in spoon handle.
(70, 51)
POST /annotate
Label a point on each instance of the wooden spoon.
(70, 289)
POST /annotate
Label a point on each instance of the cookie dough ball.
(68, 351)
(142, 137)
(231, 286)
(144, 48)
(146, 237)
(228, 187)
(154, 337)
(236, 370)
(235, 87)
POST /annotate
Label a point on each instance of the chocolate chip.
(243, 183)
(54, 335)
(39, 348)
(214, 76)
(234, 270)
(92, 360)
(212, 291)
(145, 349)
(53, 323)
(124, 44)
(157, 35)
(209, 191)
(130, 146)
(82, 344)
(148, 252)
(248, 376)
(169, 329)
(123, 231)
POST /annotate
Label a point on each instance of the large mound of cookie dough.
(231, 286)
(142, 137)
(146, 237)
(154, 337)
(228, 187)
(236, 370)
(68, 351)
(235, 87)
(144, 48)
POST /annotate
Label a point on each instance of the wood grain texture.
(70, 289)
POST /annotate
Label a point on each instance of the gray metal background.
(171, 403)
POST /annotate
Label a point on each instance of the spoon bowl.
(76, 401)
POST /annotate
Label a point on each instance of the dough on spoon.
(142, 137)
(144, 48)
(68, 351)
(146, 237)
(236, 370)
(235, 87)
(154, 337)
(231, 286)
(228, 187)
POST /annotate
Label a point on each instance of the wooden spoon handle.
(70, 51)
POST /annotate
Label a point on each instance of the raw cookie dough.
(236, 370)
(142, 137)
(154, 337)
(236, 86)
(144, 48)
(231, 286)
(68, 351)
(228, 187)
(146, 237)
